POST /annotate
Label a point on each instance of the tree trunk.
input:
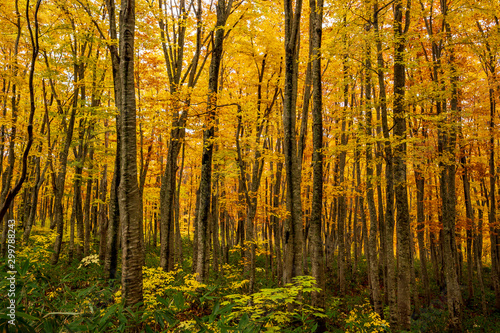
(111, 261)
(400, 190)
(420, 182)
(315, 21)
(130, 203)
(59, 179)
(370, 196)
(293, 238)
(223, 11)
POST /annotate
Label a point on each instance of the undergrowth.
(74, 297)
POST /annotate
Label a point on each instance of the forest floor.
(74, 297)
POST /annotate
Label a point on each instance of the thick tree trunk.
(130, 203)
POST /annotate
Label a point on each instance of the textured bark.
(446, 145)
(400, 188)
(388, 239)
(342, 200)
(316, 21)
(130, 203)
(293, 238)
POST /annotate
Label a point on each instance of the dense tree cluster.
(308, 134)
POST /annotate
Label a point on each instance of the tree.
(293, 234)
(315, 22)
(400, 190)
(223, 11)
(173, 51)
(7, 196)
(130, 203)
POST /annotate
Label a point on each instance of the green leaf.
(26, 316)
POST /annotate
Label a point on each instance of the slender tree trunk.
(173, 49)
(293, 238)
(39, 179)
(7, 194)
(370, 196)
(446, 143)
(103, 218)
(420, 182)
(400, 190)
(389, 181)
(223, 11)
(111, 261)
(315, 21)
(470, 228)
(342, 201)
(59, 179)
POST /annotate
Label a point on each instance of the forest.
(249, 166)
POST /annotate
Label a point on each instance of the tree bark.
(130, 203)
(293, 238)
(223, 11)
(400, 190)
(316, 21)
(111, 260)
(370, 196)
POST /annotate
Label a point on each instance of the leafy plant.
(276, 309)
(362, 319)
